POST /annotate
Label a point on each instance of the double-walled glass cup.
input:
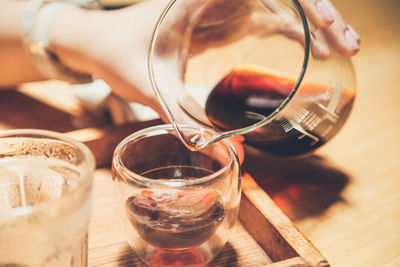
(177, 205)
(45, 199)
(257, 68)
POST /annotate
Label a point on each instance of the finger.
(237, 143)
(320, 47)
(318, 12)
(345, 39)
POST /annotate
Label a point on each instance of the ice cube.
(42, 184)
(9, 189)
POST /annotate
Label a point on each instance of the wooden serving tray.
(263, 235)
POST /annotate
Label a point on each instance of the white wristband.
(35, 27)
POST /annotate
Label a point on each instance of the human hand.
(113, 45)
(220, 21)
(322, 14)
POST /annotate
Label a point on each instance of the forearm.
(15, 63)
(112, 45)
(74, 36)
(92, 40)
(71, 36)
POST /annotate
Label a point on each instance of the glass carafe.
(255, 68)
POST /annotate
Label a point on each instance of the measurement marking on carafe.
(329, 110)
(307, 119)
(335, 99)
(289, 125)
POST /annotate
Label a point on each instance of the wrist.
(72, 37)
(37, 21)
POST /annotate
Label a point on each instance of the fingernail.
(324, 11)
(355, 34)
(351, 39)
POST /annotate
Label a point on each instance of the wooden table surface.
(344, 198)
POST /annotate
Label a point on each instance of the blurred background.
(363, 227)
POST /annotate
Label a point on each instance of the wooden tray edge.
(273, 230)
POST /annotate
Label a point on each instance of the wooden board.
(345, 197)
(263, 235)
